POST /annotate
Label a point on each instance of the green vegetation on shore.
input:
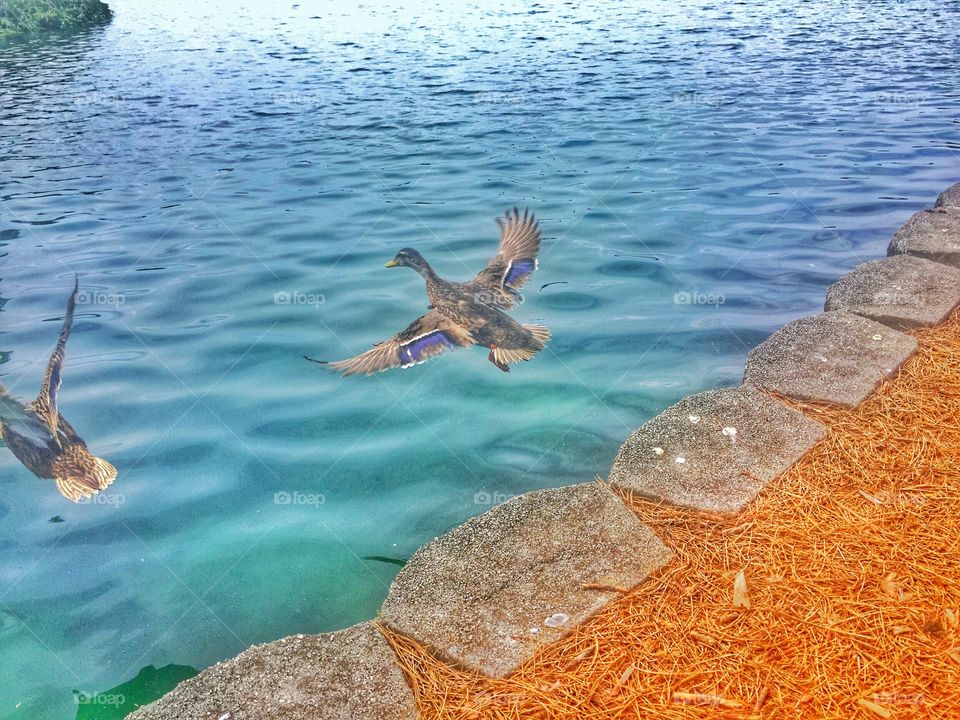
(18, 17)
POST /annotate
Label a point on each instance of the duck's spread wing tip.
(516, 258)
(46, 402)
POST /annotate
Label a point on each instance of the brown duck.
(41, 438)
(468, 313)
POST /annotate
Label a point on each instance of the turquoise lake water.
(702, 174)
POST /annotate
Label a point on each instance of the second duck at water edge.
(42, 439)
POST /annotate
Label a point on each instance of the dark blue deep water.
(702, 171)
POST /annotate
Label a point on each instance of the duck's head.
(408, 257)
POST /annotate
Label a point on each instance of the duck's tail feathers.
(501, 356)
(98, 476)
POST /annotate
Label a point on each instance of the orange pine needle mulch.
(848, 602)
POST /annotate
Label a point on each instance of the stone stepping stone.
(335, 676)
(933, 234)
(834, 357)
(901, 291)
(949, 197)
(487, 594)
(714, 451)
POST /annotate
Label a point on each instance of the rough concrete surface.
(933, 234)
(834, 357)
(335, 676)
(487, 594)
(902, 291)
(714, 451)
(949, 197)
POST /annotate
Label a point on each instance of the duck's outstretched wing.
(516, 259)
(46, 402)
(426, 337)
(20, 420)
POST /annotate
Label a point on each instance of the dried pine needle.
(703, 699)
(853, 611)
(741, 594)
(874, 708)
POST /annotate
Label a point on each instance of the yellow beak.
(392, 263)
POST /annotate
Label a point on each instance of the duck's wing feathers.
(24, 422)
(515, 261)
(46, 402)
(66, 432)
(426, 337)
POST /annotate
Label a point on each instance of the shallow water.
(702, 175)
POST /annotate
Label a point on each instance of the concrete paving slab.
(902, 291)
(834, 357)
(949, 197)
(335, 676)
(932, 234)
(714, 451)
(487, 594)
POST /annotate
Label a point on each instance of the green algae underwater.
(118, 702)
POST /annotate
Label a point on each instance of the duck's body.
(469, 305)
(41, 438)
(468, 313)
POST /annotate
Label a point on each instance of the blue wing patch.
(519, 270)
(418, 349)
